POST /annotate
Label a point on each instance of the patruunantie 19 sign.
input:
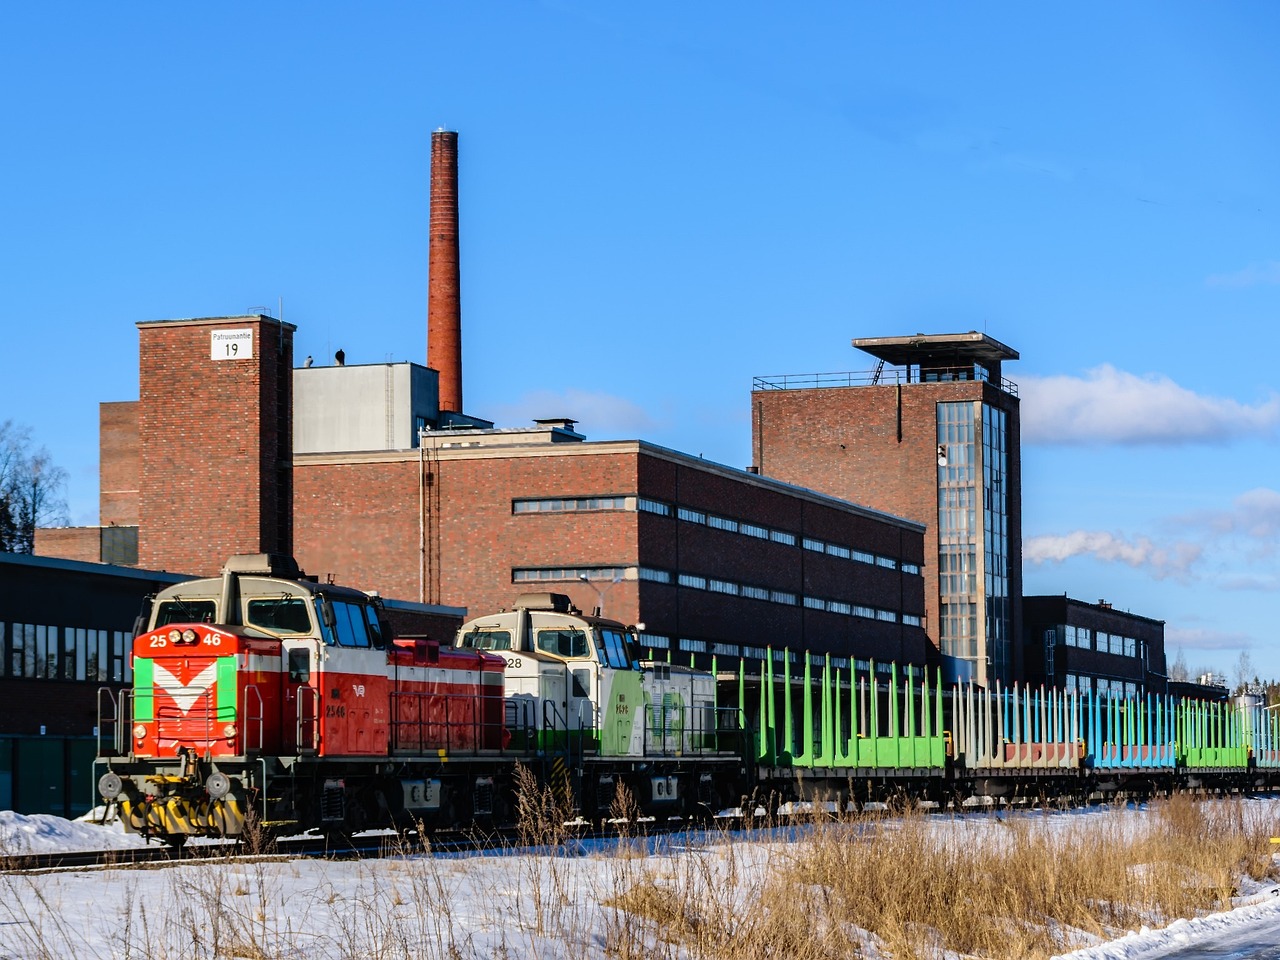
(232, 344)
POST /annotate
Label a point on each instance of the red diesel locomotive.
(263, 694)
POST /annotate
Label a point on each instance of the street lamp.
(617, 578)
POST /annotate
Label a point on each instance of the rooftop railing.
(881, 377)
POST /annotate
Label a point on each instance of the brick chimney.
(444, 295)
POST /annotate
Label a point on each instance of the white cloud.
(1202, 638)
(1112, 406)
(1255, 513)
(1173, 561)
(1254, 275)
(1248, 530)
(599, 415)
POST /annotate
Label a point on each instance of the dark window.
(280, 615)
(563, 643)
(375, 628)
(178, 610)
(300, 665)
(487, 639)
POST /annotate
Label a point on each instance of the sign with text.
(232, 344)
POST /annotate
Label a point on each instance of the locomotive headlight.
(175, 636)
(188, 635)
(139, 731)
(110, 785)
(229, 731)
(217, 785)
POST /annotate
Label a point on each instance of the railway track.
(466, 842)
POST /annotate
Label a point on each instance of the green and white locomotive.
(575, 686)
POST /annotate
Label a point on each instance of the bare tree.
(32, 489)
(1178, 670)
(1245, 674)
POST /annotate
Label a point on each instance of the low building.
(1076, 645)
(66, 633)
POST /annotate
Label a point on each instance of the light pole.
(599, 593)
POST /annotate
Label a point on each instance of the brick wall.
(215, 444)
(357, 520)
(877, 446)
(119, 466)
(70, 543)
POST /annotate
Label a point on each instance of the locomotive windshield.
(615, 651)
(484, 638)
(353, 625)
(563, 642)
(178, 610)
(288, 615)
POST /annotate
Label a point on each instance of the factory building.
(881, 519)
(373, 476)
(66, 629)
(930, 434)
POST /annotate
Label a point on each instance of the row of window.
(702, 517)
(1100, 685)
(43, 652)
(651, 643)
(542, 574)
(1101, 641)
(695, 581)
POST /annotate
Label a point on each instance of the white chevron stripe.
(186, 694)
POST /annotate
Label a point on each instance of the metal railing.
(116, 712)
(455, 723)
(902, 376)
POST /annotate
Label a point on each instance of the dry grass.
(913, 887)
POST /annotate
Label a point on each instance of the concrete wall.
(366, 407)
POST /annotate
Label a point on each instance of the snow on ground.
(43, 833)
(472, 906)
(1242, 923)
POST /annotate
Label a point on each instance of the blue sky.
(662, 200)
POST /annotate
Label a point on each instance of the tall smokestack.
(444, 289)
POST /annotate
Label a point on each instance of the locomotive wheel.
(175, 841)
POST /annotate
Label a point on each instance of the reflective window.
(568, 505)
(614, 649)
(287, 615)
(484, 638)
(563, 642)
(351, 627)
(178, 610)
(722, 523)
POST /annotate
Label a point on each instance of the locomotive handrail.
(305, 743)
(247, 718)
(112, 722)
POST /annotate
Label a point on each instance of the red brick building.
(381, 481)
(932, 434)
(714, 561)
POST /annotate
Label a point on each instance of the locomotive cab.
(577, 677)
